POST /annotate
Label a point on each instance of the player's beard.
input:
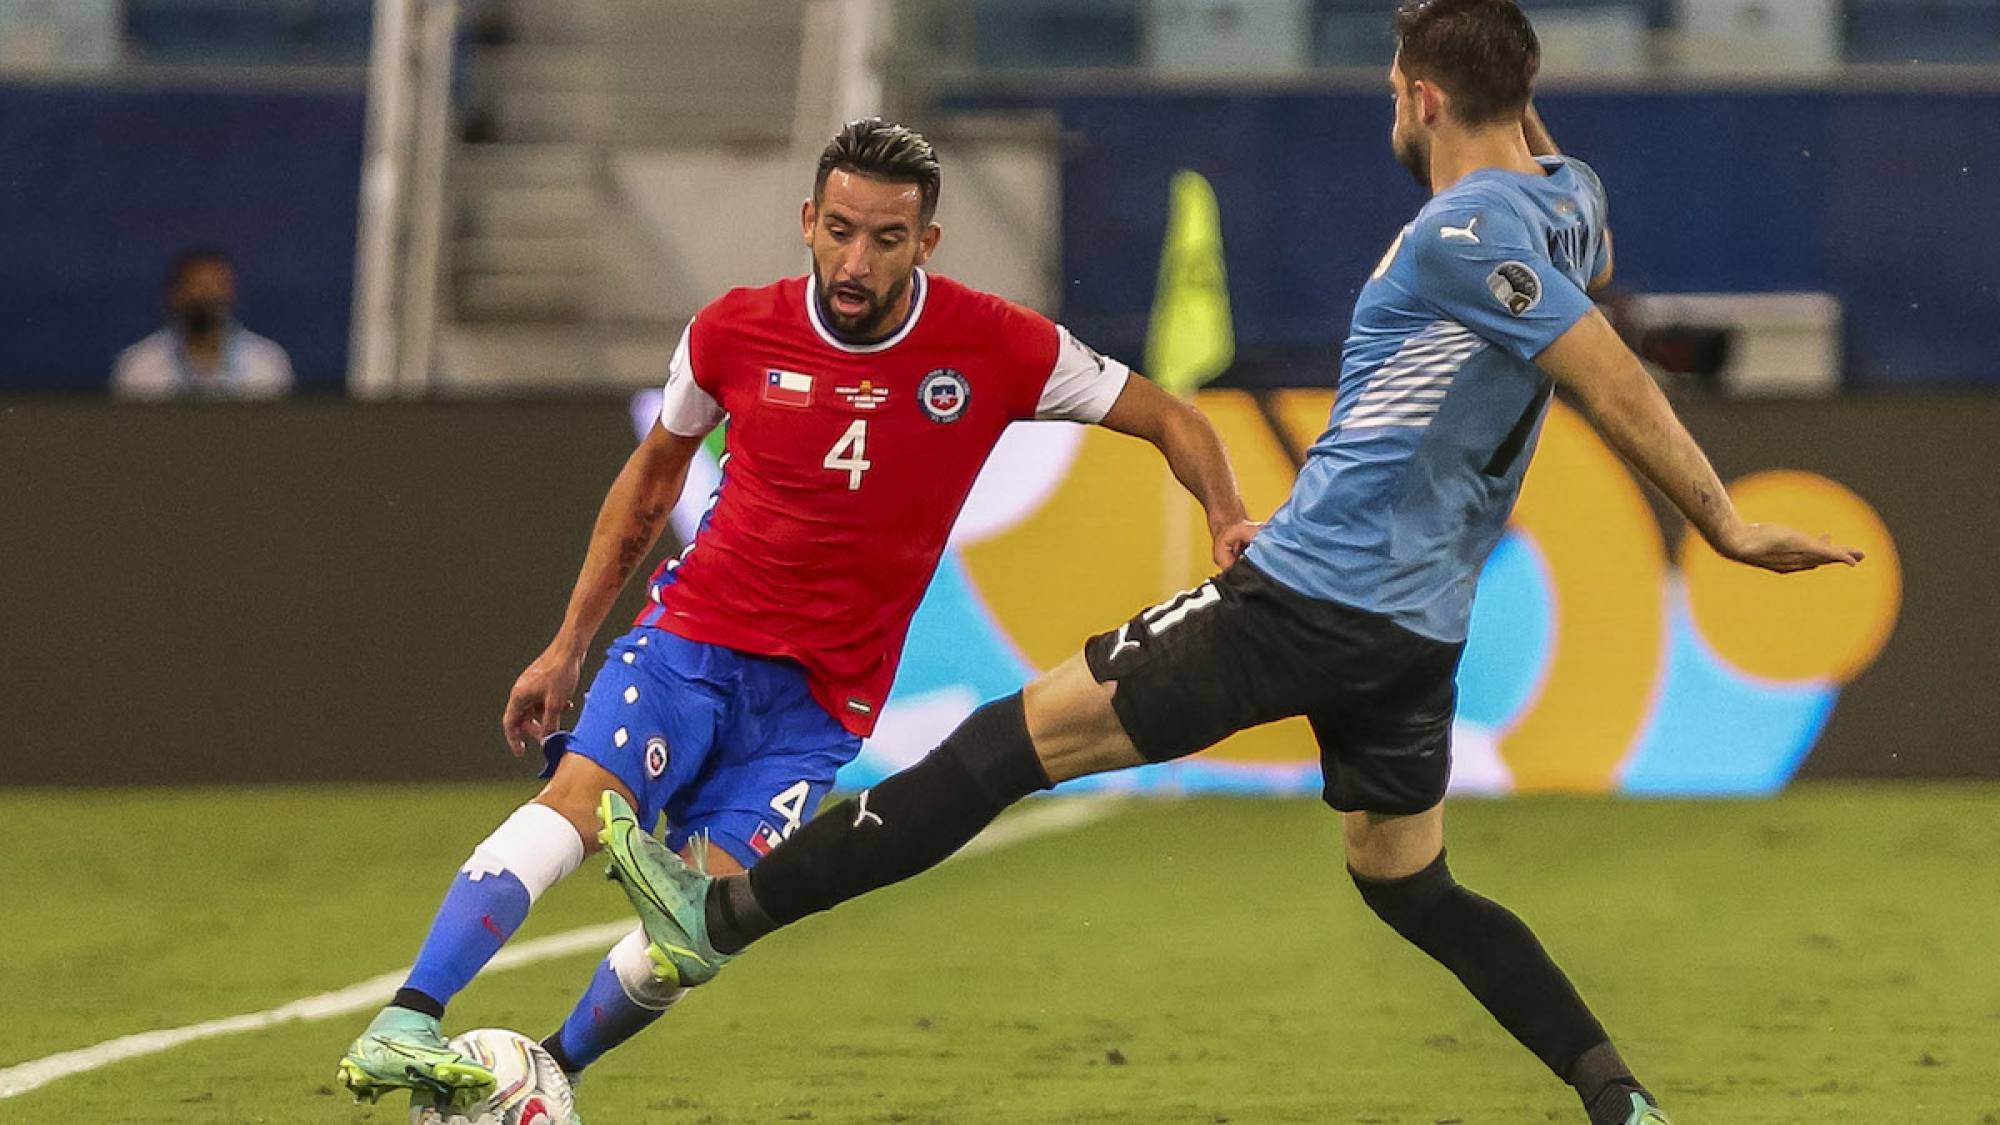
(1415, 155)
(867, 325)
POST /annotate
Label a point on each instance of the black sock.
(1496, 957)
(734, 918)
(908, 824)
(1613, 1104)
(417, 1002)
(1599, 1071)
(553, 1045)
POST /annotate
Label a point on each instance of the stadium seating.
(1025, 34)
(1029, 34)
(1021, 34)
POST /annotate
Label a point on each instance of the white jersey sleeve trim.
(685, 408)
(1082, 385)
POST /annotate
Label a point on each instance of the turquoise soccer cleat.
(406, 1050)
(670, 896)
(1646, 1113)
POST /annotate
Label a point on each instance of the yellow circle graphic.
(1607, 563)
(1822, 625)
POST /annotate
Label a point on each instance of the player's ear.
(927, 243)
(808, 215)
(1431, 101)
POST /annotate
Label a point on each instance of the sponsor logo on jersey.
(944, 394)
(861, 813)
(656, 757)
(1467, 233)
(867, 396)
(764, 839)
(787, 388)
(1516, 286)
(1123, 641)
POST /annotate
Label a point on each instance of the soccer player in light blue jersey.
(1351, 605)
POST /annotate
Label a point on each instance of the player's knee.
(578, 811)
(537, 845)
(635, 974)
(1407, 904)
(993, 746)
(574, 792)
(1075, 727)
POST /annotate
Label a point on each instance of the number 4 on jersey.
(850, 453)
(791, 804)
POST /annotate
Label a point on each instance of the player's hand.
(1231, 540)
(540, 696)
(1784, 550)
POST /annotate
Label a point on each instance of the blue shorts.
(720, 741)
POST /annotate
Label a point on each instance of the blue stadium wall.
(99, 188)
(1873, 196)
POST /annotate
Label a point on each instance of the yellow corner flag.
(1190, 340)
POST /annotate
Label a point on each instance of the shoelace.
(700, 844)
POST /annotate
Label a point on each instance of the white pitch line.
(1042, 819)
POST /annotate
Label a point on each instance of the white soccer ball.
(528, 1088)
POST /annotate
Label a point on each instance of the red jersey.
(846, 466)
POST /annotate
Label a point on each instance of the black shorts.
(1242, 649)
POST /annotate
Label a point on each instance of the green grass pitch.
(1829, 956)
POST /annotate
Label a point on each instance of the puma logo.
(1124, 642)
(861, 814)
(1465, 232)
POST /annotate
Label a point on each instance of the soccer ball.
(528, 1087)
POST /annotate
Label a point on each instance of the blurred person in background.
(202, 352)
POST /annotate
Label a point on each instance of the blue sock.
(530, 852)
(603, 1018)
(479, 913)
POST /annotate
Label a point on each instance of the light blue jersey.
(1440, 402)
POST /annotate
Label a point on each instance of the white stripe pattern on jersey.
(1408, 389)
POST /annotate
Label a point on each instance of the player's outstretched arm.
(1627, 407)
(629, 523)
(1194, 452)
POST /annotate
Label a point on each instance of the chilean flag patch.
(788, 388)
(764, 839)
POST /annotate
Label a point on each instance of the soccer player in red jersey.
(862, 401)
